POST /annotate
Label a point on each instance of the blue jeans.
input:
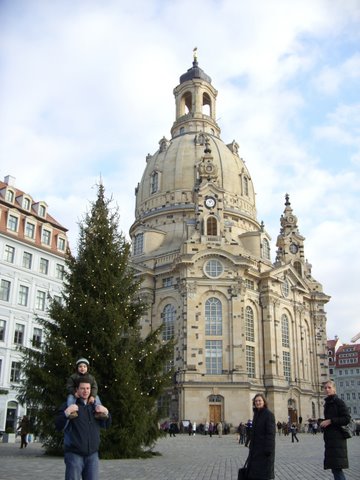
(338, 474)
(79, 467)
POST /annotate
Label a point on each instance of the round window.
(213, 268)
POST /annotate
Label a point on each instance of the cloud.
(86, 91)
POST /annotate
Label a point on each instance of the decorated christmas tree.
(98, 318)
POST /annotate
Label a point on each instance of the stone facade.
(242, 323)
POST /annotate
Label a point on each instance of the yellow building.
(242, 323)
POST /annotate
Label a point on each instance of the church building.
(242, 323)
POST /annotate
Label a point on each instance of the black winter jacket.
(81, 434)
(262, 445)
(336, 410)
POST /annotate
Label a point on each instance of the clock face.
(210, 202)
(294, 248)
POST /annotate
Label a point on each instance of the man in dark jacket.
(82, 434)
(336, 414)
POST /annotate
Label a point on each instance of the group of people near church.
(82, 416)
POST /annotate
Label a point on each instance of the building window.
(42, 211)
(213, 317)
(9, 253)
(249, 325)
(30, 230)
(154, 182)
(10, 196)
(213, 353)
(246, 186)
(15, 372)
(13, 223)
(2, 330)
(138, 244)
(211, 226)
(285, 288)
(23, 295)
(37, 337)
(285, 331)
(5, 290)
(45, 236)
(169, 322)
(61, 244)
(287, 366)
(167, 282)
(27, 260)
(26, 203)
(59, 271)
(214, 268)
(250, 361)
(266, 249)
(249, 284)
(19, 334)
(44, 266)
(57, 298)
(40, 300)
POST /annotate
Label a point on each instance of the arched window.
(138, 244)
(211, 226)
(186, 103)
(246, 186)
(297, 266)
(266, 249)
(213, 317)
(154, 182)
(285, 331)
(249, 325)
(206, 104)
(168, 321)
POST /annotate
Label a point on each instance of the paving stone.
(182, 458)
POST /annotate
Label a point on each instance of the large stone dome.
(193, 158)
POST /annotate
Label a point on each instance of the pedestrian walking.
(293, 430)
(336, 414)
(24, 428)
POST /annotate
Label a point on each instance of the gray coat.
(335, 444)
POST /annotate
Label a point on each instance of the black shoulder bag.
(243, 471)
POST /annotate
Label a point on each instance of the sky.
(86, 92)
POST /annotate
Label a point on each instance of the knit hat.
(82, 360)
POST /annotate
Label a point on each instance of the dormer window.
(10, 195)
(26, 203)
(42, 210)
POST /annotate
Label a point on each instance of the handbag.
(346, 431)
(243, 471)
